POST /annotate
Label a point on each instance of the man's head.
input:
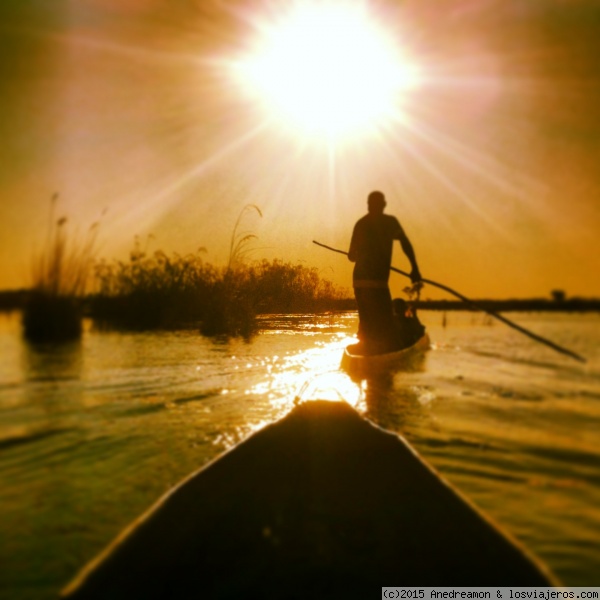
(376, 202)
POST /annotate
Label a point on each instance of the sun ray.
(331, 164)
(161, 201)
(102, 44)
(492, 170)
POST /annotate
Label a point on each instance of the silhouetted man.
(371, 251)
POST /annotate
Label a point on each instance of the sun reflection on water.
(309, 375)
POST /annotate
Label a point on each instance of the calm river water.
(93, 433)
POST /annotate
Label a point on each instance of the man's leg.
(376, 325)
(383, 318)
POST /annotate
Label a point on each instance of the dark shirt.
(371, 246)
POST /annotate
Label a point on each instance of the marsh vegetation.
(60, 273)
(156, 290)
(160, 291)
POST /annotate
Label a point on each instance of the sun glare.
(327, 70)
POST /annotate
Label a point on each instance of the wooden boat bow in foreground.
(319, 504)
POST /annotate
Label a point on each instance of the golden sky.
(131, 107)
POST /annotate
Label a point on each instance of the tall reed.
(60, 274)
(239, 244)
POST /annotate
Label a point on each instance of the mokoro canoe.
(407, 358)
(321, 504)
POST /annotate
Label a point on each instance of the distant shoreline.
(16, 299)
(515, 305)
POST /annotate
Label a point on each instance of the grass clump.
(158, 291)
(60, 274)
(152, 291)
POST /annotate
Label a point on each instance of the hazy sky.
(129, 107)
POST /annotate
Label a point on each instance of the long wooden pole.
(533, 336)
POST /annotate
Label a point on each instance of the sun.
(326, 70)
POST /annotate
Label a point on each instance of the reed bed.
(158, 291)
(60, 275)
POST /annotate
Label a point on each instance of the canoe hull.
(321, 503)
(410, 358)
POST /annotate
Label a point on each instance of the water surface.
(92, 433)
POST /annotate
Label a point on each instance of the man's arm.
(415, 274)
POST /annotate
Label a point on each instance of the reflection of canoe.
(319, 504)
(361, 364)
